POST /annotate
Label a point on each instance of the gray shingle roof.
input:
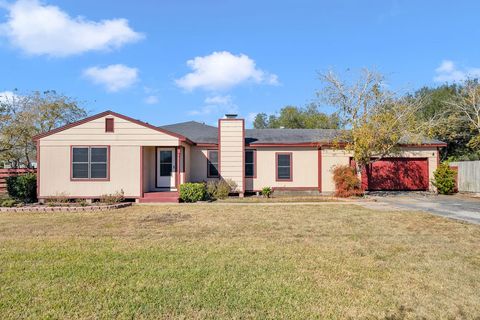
(195, 131)
(255, 136)
(202, 133)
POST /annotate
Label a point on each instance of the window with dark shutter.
(109, 125)
(250, 163)
(284, 166)
(212, 164)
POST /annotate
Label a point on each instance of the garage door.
(395, 174)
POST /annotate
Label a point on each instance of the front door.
(166, 167)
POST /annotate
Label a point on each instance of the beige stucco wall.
(198, 164)
(231, 147)
(126, 134)
(304, 173)
(332, 157)
(124, 144)
(55, 173)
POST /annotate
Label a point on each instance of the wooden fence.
(468, 175)
(5, 173)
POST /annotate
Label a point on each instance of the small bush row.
(212, 190)
(113, 198)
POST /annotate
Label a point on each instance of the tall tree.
(261, 121)
(467, 104)
(449, 125)
(25, 116)
(376, 120)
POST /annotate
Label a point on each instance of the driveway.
(454, 207)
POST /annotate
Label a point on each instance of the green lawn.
(226, 261)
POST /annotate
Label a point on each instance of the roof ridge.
(186, 122)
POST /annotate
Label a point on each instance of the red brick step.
(162, 196)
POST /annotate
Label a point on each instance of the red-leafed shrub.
(347, 183)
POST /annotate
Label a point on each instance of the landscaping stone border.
(46, 208)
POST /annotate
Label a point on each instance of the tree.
(260, 121)
(28, 115)
(467, 104)
(292, 117)
(376, 120)
(449, 125)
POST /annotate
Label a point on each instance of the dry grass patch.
(329, 261)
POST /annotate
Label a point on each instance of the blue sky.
(172, 61)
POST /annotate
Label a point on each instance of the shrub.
(347, 183)
(23, 187)
(8, 203)
(220, 189)
(233, 185)
(444, 179)
(192, 192)
(211, 189)
(267, 192)
(113, 198)
(58, 198)
(223, 189)
(82, 202)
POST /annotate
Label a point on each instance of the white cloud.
(449, 72)
(216, 105)
(222, 100)
(40, 29)
(151, 99)
(223, 70)
(114, 77)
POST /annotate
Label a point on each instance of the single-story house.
(110, 152)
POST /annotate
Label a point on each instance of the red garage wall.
(396, 174)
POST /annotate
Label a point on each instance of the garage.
(396, 174)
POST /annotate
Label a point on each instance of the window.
(212, 164)
(250, 164)
(109, 127)
(284, 166)
(166, 163)
(90, 163)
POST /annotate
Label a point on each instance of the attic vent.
(109, 127)
(231, 116)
